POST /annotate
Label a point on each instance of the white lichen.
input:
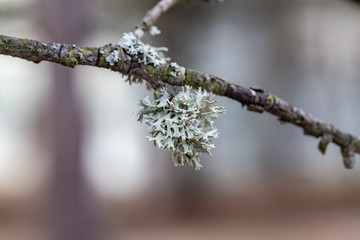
(143, 53)
(154, 30)
(113, 57)
(174, 65)
(182, 123)
(174, 74)
(253, 93)
(177, 70)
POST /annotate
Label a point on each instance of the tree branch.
(155, 12)
(152, 15)
(254, 98)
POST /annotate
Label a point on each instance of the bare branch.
(255, 99)
(155, 12)
(152, 15)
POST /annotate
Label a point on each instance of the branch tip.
(324, 142)
(152, 15)
(348, 155)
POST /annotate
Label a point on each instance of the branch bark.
(254, 98)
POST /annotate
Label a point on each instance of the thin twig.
(155, 12)
(255, 99)
(152, 15)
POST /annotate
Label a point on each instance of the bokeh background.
(75, 163)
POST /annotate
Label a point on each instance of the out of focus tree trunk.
(72, 213)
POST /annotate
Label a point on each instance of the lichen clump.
(143, 53)
(113, 57)
(182, 123)
(154, 30)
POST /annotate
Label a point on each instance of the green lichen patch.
(2, 43)
(26, 45)
(270, 100)
(72, 55)
(324, 142)
(166, 73)
(150, 23)
(208, 82)
(150, 69)
(69, 58)
(85, 51)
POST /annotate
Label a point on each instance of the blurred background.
(75, 163)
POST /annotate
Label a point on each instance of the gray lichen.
(143, 53)
(113, 57)
(182, 123)
(154, 30)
